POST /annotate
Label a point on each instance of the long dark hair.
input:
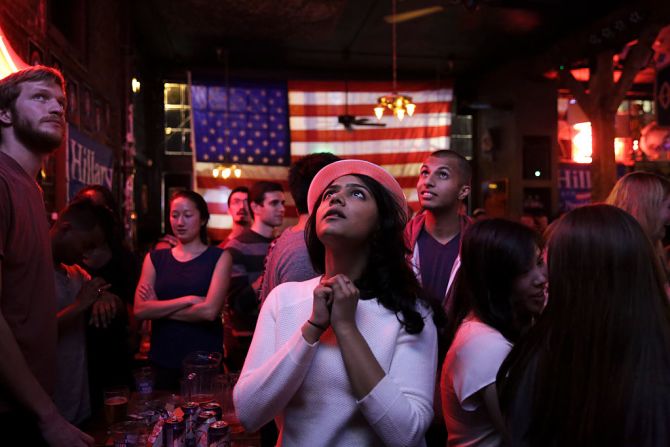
(200, 204)
(387, 276)
(597, 362)
(494, 252)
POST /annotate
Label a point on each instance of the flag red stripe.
(222, 208)
(218, 234)
(364, 134)
(360, 109)
(365, 86)
(422, 127)
(214, 183)
(408, 182)
(384, 159)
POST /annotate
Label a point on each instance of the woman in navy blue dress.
(182, 290)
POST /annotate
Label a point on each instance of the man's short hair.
(301, 173)
(258, 190)
(463, 165)
(85, 215)
(243, 189)
(10, 86)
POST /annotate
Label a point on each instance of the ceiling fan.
(349, 121)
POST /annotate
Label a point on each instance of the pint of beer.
(116, 405)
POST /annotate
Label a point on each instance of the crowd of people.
(361, 324)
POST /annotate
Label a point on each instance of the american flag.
(245, 124)
(313, 108)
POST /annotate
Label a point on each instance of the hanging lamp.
(398, 105)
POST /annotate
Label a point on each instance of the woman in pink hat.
(347, 358)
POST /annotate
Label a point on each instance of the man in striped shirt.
(248, 250)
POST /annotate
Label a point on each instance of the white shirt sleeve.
(270, 378)
(476, 364)
(400, 407)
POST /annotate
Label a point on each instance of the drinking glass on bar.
(116, 404)
(200, 369)
(129, 434)
(225, 384)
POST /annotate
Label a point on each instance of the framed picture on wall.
(536, 157)
(495, 197)
(98, 116)
(108, 116)
(55, 62)
(86, 109)
(35, 54)
(72, 92)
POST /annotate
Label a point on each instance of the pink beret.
(340, 168)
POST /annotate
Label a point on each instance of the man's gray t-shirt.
(72, 393)
(287, 261)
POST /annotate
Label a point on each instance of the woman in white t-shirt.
(500, 289)
(348, 358)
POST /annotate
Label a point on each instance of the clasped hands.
(335, 302)
(104, 304)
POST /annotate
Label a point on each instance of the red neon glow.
(9, 60)
(582, 145)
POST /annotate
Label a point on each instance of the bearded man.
(32, 126)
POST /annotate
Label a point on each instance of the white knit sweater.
(306, 387)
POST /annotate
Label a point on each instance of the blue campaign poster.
(88, 162)
(574, 186)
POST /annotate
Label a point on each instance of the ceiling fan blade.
(349, 121)
(414, 14)
(365, 122)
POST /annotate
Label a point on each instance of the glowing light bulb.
(226, 173)
(400, 114)
(379, 112)
(410, 108)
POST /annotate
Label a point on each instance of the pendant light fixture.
(397, 104)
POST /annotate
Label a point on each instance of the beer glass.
(116, 404)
